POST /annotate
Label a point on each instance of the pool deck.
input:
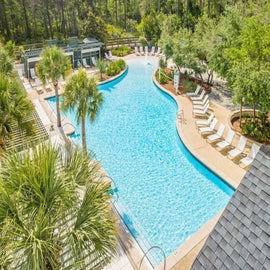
(231, 172)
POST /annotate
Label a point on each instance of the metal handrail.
(145, 255)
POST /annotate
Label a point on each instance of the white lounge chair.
(227, 142)
(108, 57)
(32, 73)
(84, 62)
(158, 52)
(20, 73)
(93, 60)
(209, 129)
(232, 154)
(136, 50)
(39, 87)
(218, 135)
(141, 50)
(146, 50)
(153, 50)
(205, 122)
(195, 93)
(201, 113)
(111, 56)
(199, 97)
(246, 161)
(200, 102)
(201, 107)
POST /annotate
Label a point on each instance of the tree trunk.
(83, 136)
(125, 14)
(49, 18)
(63, 18)
(241, 112)
(208, 7)
(5, 26)
(178, 8)
(254, 112)
(158, 7)
(58, 115)
(28, 31)
(116, 13)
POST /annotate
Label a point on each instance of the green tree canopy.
(82, 94)
(53, 66)
(55, 211)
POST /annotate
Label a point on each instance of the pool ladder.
(145, 256)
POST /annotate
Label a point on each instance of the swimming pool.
(165, 194)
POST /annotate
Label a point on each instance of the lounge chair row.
(207, 127)
(85, 64)
(216, 137)
(145, 51)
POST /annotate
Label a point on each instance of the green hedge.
(115, 67)
(121, 51)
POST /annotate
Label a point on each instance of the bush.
(121, 63)
(189, 85)
(162, 63)
(163, 76)
(121, 51)
(113, 69)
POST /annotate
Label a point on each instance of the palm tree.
(6, 63)
(15, 109)
(82, 94)
(53, 65)
(101, 64)
(55, 211)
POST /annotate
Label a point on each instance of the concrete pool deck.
(231, 172)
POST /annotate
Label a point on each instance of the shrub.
(121, 63)
(121, 51)
(189, 85)
(162, 63)
(163, 76)
(113, 69)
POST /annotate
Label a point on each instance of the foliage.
(6, 63)
(115, 67)
(94, 26)
(81, 93)
(102, 65)
(54, 64)
(121, 51)
(189, 85)
(162, 63)
(42, 216)
(15, 108)
(255, 128)
(163, 76)
(150, 26)
(121, 63)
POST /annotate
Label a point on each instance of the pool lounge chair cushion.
(209, 129)
(246, 161)
(216, 136)
(201, 113)
(232, 154)
(227, 142)
(205, 122)
(199, 97)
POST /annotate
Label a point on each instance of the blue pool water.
(165, 194)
